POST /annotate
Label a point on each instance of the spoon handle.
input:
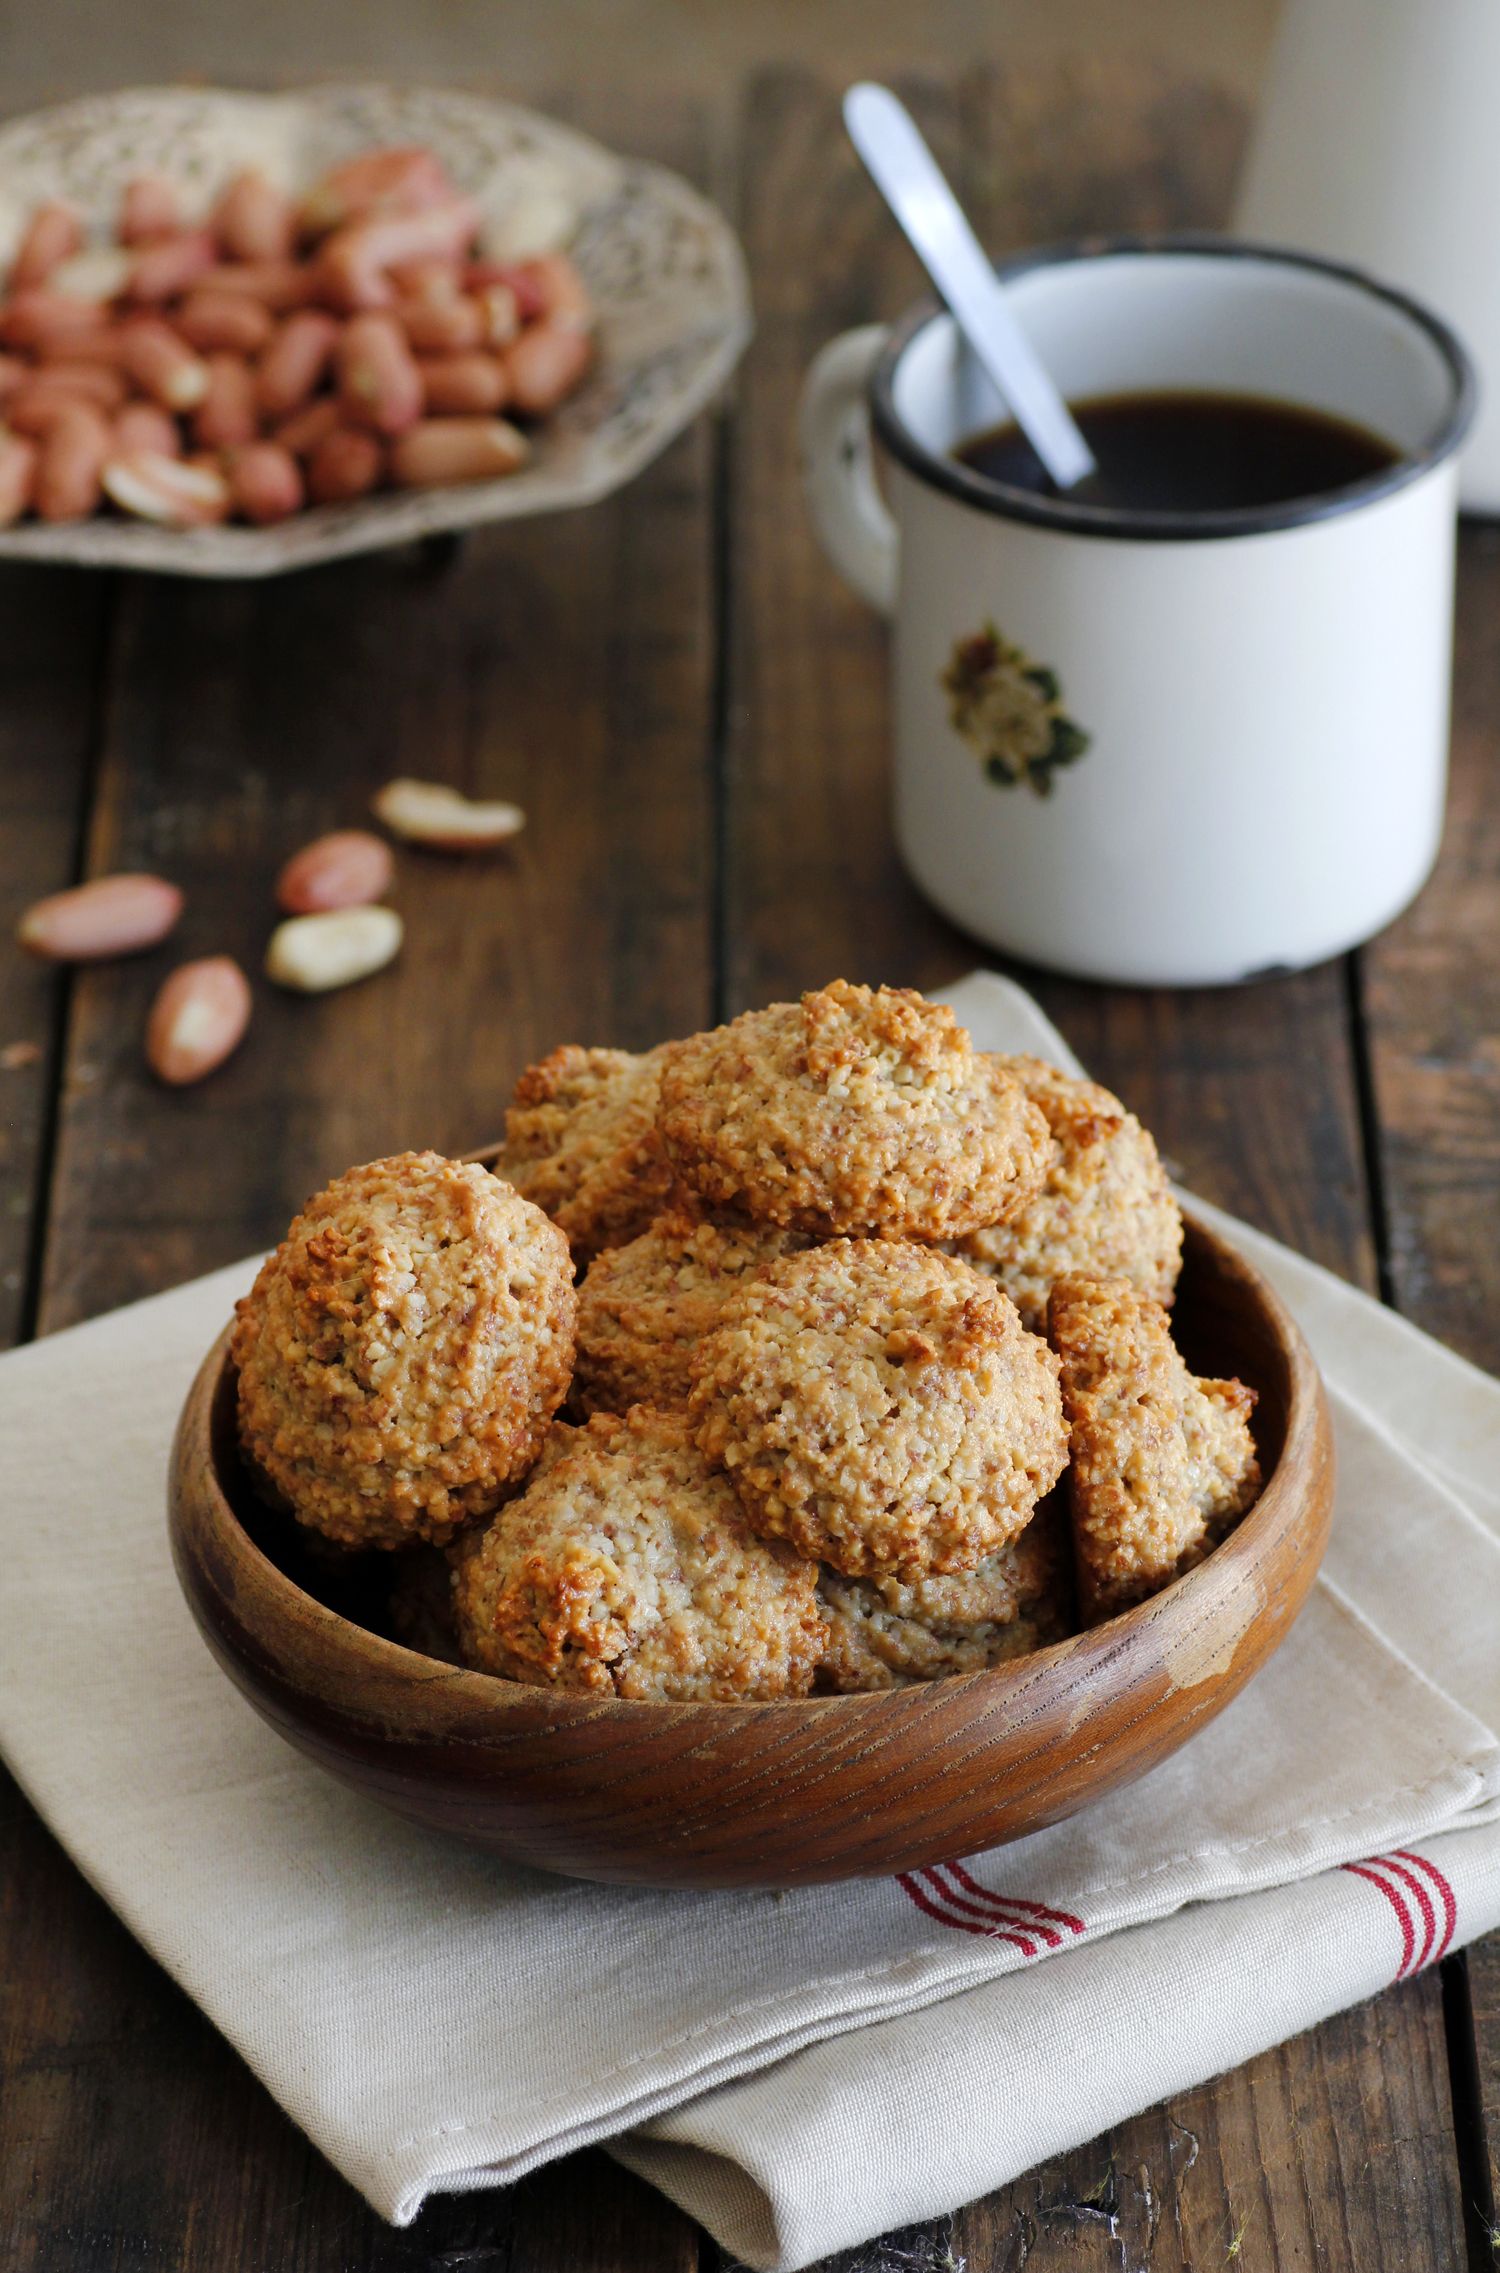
(907, 175)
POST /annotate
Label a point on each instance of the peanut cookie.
(880, 1405)
(581, 1142)
(644, 1308)
(1163, 1464)
(853, 1110)
(883, 1634)
(1105, 1208)
(627, 1568)
(402, 1352)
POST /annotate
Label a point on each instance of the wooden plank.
(1252, 1092)
(54, 639)
(1431, 991)
(568, 664)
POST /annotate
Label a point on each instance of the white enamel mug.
(1160, 749)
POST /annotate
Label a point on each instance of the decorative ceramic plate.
(665, 270)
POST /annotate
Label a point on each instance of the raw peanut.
(180, 493)
(351, 268)
(149, 208)
(379, 383)
(40, 318)
(113, 915)
(375, 181)
(461, 384)
(275, 284)
(163, 270)
(347, 869)
(429, 281)
(197, 1020)
(36, 410)
(85, 382)
(254, 220)
(163, 365)
(444, 820)
(441, 327)
(347, 463)
(99, 341)
(208, 319)
(312, 954)
(71, 463)
(553, 280)
(53, 233)
(500, 313)
(306, 428)
(227, 414)
(296, 360)
(97, 274)
(13, 373)
(439, 451)
(524, 288)
(17, 475)
(265, 481)
(545, 364)
(145, 426)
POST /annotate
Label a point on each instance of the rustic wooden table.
(693, 714)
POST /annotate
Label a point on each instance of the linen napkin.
(440, 2020)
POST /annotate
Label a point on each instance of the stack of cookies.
(867, 1376)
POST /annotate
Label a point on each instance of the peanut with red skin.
(198, 1020)
(306, 428)
(552, 280)
(266, 483)
(346, 869)
(429, 281)
(544, 366)
(296, 360)
(347, 463)
(228, 413)
(379, 383)
(462, 385)
(441, 327)
(499, 312)
(162, 364)
(14, 373)
(94, 922)
(178, 493)
(254, 220)
(146, 426)
(70, 465)
(276, 284)
(210, 320)
(149, 208)
(393, 180)
(53, 233)
(101, 343)
(313, 954)
(513, 277)
(18, 458)
(162, 271)
(352, 266)
(38, 319)
(438, 452)
(33, 408)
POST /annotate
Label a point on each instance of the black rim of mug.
(1078, 519)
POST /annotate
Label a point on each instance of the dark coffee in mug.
(1185, 451)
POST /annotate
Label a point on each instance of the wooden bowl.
(772, 1794)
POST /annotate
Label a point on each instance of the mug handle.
(852, 519)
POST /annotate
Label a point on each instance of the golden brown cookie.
(880, 1405)
(627, 1568)
(1105, 1207)
(884, 1634)
(581, 1142)
(402, 1352)
(644, 1308)
(1163, 1464)
(853, 1110)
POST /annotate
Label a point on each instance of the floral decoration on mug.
(1008, 708)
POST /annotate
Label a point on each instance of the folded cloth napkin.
(436, 2020)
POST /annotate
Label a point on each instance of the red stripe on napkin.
(1445, 1892)
(1020, 1902)
(1423, 1901)
(924, 1902)
(1397, 1902)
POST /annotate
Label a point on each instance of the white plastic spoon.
(908, 177)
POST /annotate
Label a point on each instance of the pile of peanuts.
(335, 929)
(279, 354)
